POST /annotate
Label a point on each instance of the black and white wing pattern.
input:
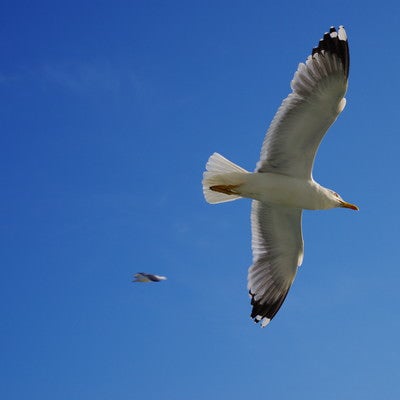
(289, 148)
(277, 245)
(306, 114)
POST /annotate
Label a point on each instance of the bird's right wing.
(277, 245)
(302, 120)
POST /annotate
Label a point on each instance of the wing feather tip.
(335, 42)
(264, 320)
(265, 311)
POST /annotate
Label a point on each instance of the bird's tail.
(222, 179)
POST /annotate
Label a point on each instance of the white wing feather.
(277, 245)
(304, 117)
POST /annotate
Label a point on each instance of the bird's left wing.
(306, 114)
(277, 245)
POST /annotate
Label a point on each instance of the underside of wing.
(277, 245)
(306, 114)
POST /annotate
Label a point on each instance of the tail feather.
(221, 172)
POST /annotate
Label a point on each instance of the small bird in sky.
(282, 184)
(143, 277)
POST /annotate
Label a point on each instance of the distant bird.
(143, 277)
(282, 184)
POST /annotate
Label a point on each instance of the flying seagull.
(143, 277)
(282, 184)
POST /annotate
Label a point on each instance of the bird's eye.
(335, 194)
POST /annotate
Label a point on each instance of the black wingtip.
(267, 310)
(335, 42)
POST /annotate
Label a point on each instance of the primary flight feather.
(282, 184)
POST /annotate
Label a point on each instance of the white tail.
(220, 171)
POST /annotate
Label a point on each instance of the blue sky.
(108, 114)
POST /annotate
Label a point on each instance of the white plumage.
(282, 184)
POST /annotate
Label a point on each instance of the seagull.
(143, 277)
(282, 184)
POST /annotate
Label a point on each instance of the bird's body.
(282, 184)
(145, 277)
(278, 189)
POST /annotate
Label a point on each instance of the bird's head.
(339, 202)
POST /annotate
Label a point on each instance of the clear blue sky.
(108, 113)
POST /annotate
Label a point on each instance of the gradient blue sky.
(108, 113)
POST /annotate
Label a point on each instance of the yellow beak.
(344, 204)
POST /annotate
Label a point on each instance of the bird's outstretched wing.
(305, 115)
(289, 148)
(277, 245)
